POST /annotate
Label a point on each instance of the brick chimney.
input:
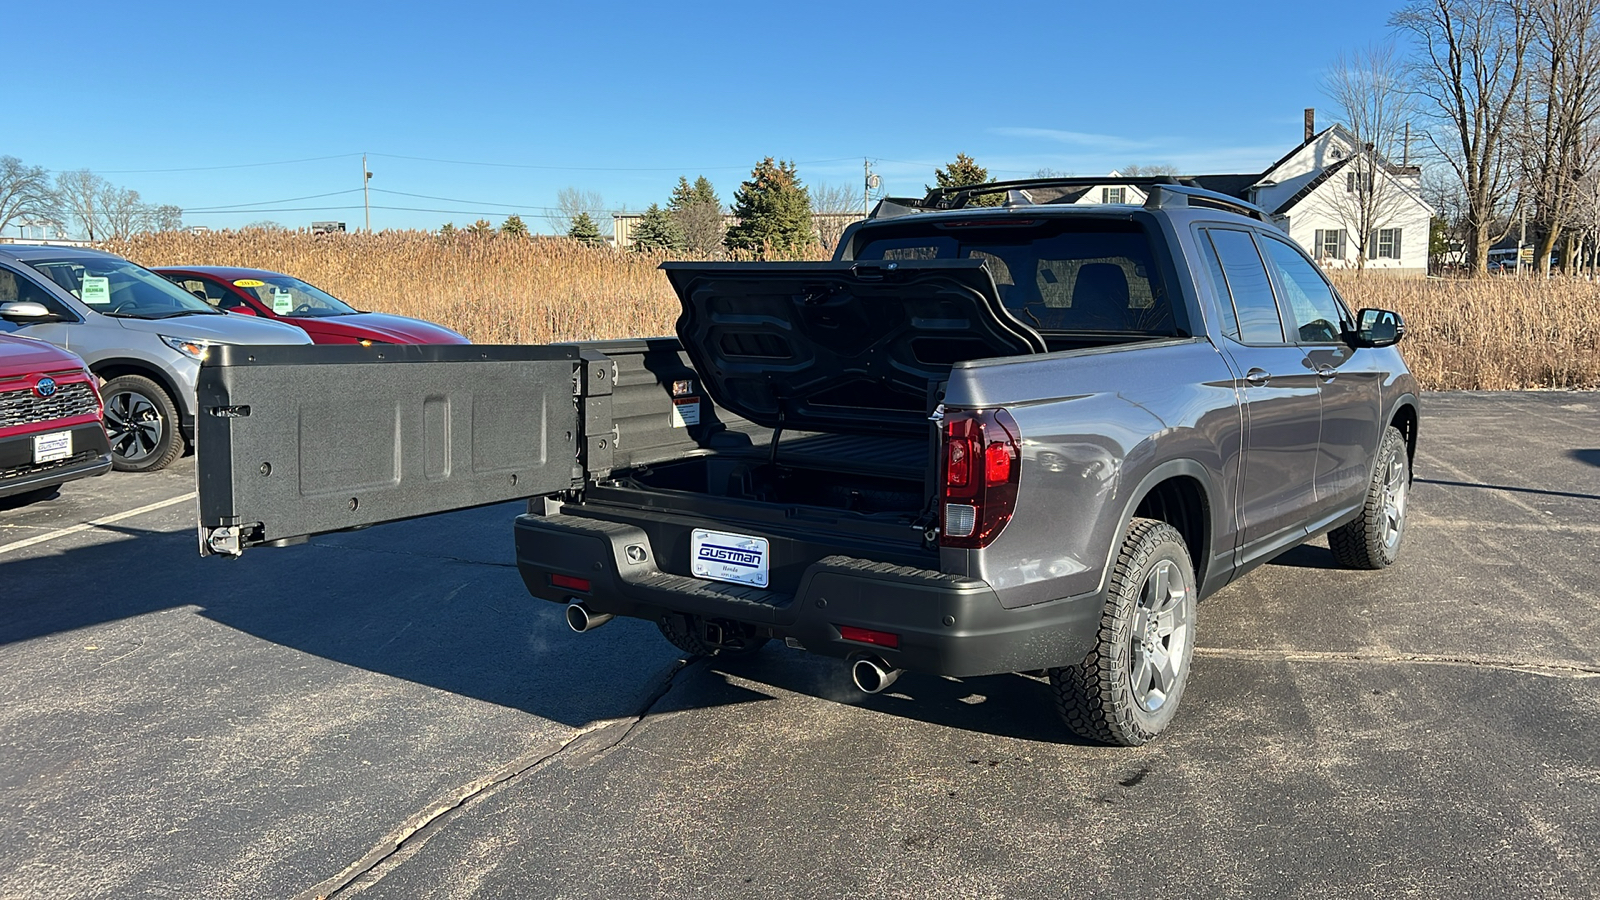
(1311, 123)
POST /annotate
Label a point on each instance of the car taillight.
(982, 467)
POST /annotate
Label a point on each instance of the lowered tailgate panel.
(294, 441)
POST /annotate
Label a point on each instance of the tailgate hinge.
(597, 440)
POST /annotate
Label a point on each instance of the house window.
(1328, 244)
(1114, 195)
(1356, 182)
(1386, 243)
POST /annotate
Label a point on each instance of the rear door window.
(1248, 285)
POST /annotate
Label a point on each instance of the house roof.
(1232, 185)
(1313, 184)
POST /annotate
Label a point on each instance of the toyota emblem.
(46, 387)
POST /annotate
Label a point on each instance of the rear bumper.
(19, 474)
(947, 625)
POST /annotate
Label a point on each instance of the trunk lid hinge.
(597, 438)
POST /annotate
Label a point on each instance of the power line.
(226, 206)
(281, 162)
(462, 162)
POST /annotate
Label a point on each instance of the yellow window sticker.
(248, 282)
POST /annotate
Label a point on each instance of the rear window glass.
(1081, 276)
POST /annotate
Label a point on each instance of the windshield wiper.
(186, 312)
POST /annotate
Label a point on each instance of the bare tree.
(122, 213)
(165, 217)
(80, 192)
(834, 207)
(572, 202)
(25, 194)
(1561, 100)
(1134, 170)
(1467, 73)
(1370, 100)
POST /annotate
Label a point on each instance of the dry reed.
(1488, 334)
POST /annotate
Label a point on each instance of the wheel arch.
(1404, 416)
(1180, 492)
(108, 369)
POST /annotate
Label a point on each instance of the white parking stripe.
(63, 532)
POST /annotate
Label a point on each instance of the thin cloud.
(1103, 142)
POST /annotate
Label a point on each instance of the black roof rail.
(1167, 196)
(1162, 191)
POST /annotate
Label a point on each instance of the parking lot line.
(85, 526)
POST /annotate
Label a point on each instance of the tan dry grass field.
(1490, 334)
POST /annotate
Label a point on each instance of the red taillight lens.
(868, 636)
(976, 509)
(570, 583)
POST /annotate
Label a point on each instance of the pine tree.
(773, 209)
(964, 172)
(482, 226)
(698, 213)
(514, 226)
(584, 229)
(657, 230)
(447, 229)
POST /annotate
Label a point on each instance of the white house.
(1324, 193)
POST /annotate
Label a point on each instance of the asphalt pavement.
(386, 713)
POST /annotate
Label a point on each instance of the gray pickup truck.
(983, 439)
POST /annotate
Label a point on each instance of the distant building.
(327, 228)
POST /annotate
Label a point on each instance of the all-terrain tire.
(683, 633)
(1152, 589)
(142, 423)
(1372, 540)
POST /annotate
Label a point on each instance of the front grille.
(24, 407)
(82, 456)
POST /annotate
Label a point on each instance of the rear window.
(1086, 275)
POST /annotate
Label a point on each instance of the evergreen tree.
(584, 229)
(697, 211)
(657, 230)
(964, 172)
(514, 226)
(482, 226)
(773, 209)
(447, 229)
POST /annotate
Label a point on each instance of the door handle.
(1326, 372)
(1257, 377)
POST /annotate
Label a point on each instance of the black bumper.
(91, 455)
(947, 625)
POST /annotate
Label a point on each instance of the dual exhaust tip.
(870, 673)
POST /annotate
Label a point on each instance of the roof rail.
(1162, 191)
(1167, 196)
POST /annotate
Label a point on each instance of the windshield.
(117, 287)
(288, 296)
(1081, 276)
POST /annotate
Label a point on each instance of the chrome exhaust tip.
(581, 618)
(872, 675)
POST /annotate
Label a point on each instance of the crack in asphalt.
(405, 841)
(1547, 669)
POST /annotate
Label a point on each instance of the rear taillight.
(981, 466)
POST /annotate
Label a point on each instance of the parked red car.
(50, 419)
(329, 320)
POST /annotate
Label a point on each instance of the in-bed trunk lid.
(839, 346)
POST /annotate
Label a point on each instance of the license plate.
(51, 447)
(720, 556)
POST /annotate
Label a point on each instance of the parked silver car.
(141, 335)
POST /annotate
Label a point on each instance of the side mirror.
(26, 312)
(1376, 328)
(242, 310)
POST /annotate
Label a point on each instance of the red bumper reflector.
(868, 636)
(570, 583)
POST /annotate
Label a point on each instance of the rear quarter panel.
(1095, 426)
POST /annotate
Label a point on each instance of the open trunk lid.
(843, 347)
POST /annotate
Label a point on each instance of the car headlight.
(190, 348)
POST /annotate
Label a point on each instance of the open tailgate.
(294, 441)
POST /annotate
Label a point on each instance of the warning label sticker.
(685, 411)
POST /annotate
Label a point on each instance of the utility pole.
(1522, 238)
(366, 203)
(866, 186)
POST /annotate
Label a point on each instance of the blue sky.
(620, 98)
